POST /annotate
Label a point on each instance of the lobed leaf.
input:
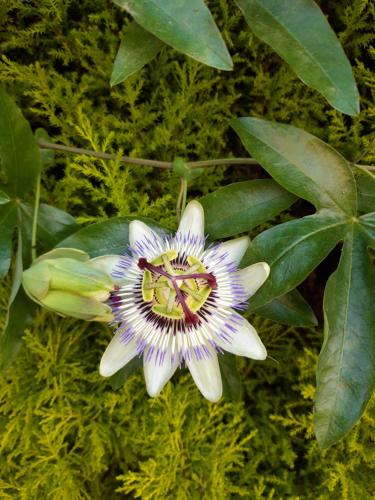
(366, 191)
(300, 162)
(19, 316)
(346, 366)
(4, 198)
(367, 225)
(289, 309)
(231, 379)
(293, 250)
(299, 32)
(19, 152)
(8, 221)
(185, 26)
(46, 155)
(121, 376)
(53, 224)
(137, 48)
(110, 236)
(242, 206)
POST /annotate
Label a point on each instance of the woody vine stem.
(161, 164)
(181, 199)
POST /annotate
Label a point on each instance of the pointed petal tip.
(154, 385)
(152, 392)
(138, 230)
(136, 225)
(192, 219)
(261, 355)
(194, 210)
(158, 375)
(213, 398)
(106, 370)
(253, 277)
(266, 268)
(207, 377)
(235, 249)
(194, 203)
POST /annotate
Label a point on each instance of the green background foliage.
(64, 432)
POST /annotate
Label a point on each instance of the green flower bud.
(68, 282)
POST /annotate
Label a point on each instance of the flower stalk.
(34, 228)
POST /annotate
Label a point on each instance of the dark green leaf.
(19, 153)
(46, 155)
(366, 191)
(293, 250)
(53, 225)
(289, 309)
(110, 236)
(242, 206)
(300, 162)
(299, 32)
(8, 221)
(346, 367)
(20, 315)
(138, 47)
(186, 26)
(4, 198)
(232, 386)
(118, 379)
(367, 225)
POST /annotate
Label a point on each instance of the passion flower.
(177, 304)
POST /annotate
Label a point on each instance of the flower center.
(176, 291)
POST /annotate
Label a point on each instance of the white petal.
(140, 232)
(157, 375)
(192, 220)
(235, 249)
(107, 264)
(117, 354)
(244, 341)
(253, 277)
(206, 374)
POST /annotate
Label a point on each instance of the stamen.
(167, 264)
(151, 286)
(170, 301)
(191, 292)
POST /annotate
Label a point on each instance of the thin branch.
(104, 156)
(160, 164)
(222, 161)
(35, 220)
(181, 199)
(140, 161)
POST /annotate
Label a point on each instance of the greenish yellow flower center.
(176, 291)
